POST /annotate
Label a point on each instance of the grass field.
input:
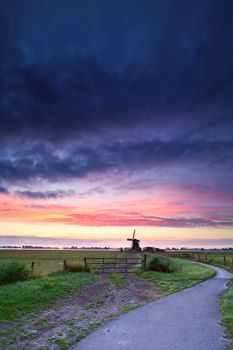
(28, 297)
(218, 258)
(23, 298)
(47, 261)
(188, 276)
(66, 320)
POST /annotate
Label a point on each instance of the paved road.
(188, 320)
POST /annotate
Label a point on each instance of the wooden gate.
(123, 265)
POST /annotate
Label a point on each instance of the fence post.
(224, 260)
(65, 266)
(144, 261)
(205, 257)
(85, 263)
(32, 267)
(199, 257)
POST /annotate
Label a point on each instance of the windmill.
(135, 243)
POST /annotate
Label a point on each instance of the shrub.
(163, 264)
(76, 268)
(13, 271)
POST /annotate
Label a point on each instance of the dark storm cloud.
(79, 161)
(84, 68)
(3, 190)
(44, 195)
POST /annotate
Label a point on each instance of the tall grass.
(163, 264)
(76, 268)
(13, 271)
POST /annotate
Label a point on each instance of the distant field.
(47, 261)
(218, 258)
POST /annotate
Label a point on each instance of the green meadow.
(187, 276)
(25, 297)
(47, 261)
(219, 258)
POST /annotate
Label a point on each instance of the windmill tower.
(135, 243)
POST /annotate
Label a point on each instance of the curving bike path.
(187, 320)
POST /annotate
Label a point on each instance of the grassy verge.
(221, 259)
(227, 309)
(217, 259)
(216, 262)
(23, 298)
(188, 276)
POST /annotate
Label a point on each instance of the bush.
(76, 268)
(13, 271)
(163, 264)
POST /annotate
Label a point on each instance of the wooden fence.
(99, 265)
(223, 259)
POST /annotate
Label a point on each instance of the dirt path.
(63, 326)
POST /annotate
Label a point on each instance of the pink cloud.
(118, 218)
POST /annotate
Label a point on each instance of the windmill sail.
(134, 233)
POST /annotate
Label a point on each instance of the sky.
(115, 116)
